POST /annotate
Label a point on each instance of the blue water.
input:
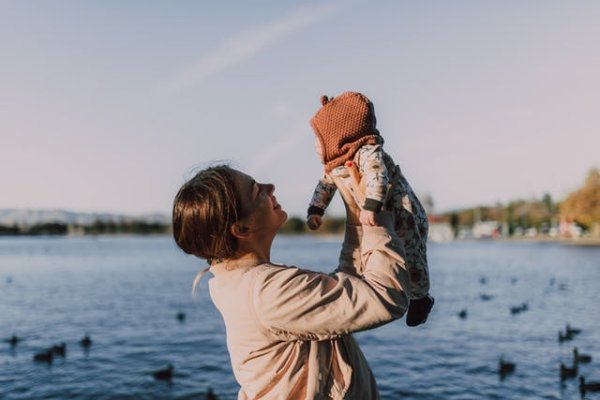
(126, 291)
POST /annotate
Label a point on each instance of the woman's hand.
(368, 217)
(352, 194)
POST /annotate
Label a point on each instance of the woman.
(288, 329)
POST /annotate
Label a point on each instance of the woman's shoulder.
(271, 268)
(280, 274)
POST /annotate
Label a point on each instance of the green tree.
(48, 228)
(293, 225)
(454, 222)
(333, 225)
(547, 200)
(12, 230)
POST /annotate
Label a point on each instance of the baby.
(347, 138)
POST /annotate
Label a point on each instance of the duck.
(59, 349)
(562, 287)
(164, 374)
(14, 340)
(505, 367)
(588, 387)
(462, 314)
(485, 297)
(44, 356)
(581, 358)
(210, 395)
(181, 316)
(519, 309)
(86, 342)
(572, 331)
(562, 337)
(566, 372)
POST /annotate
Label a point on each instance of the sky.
(110, 106)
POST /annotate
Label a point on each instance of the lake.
(125, 293)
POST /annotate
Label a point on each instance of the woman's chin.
(284, 216)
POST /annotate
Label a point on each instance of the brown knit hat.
(343, 125)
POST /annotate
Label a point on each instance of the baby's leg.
(412, 227)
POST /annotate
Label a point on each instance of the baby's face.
(319, 148)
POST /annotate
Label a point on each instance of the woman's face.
(260, 208)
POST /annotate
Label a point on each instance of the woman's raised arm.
(295, 304)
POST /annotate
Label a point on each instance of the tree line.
(96, 228)
(581, 207)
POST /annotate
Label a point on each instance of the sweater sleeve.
(375, 174)
(296, 304)
(322, 195)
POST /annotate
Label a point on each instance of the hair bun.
(324, 100)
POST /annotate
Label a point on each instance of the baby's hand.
(314, 222)
(368, 218)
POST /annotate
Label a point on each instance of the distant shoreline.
(586, 242)
(535, 240)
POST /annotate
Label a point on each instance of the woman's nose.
(269, 188)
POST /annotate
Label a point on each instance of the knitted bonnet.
(343, 125)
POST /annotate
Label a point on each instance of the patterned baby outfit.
(386, 186)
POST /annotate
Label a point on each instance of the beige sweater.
(289, 329)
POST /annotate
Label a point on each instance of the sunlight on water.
(126, 292)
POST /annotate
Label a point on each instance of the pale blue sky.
(108, 105)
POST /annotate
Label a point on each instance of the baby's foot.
(418, 310)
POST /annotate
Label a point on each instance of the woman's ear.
(239, 231)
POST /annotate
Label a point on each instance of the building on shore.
(439, 230)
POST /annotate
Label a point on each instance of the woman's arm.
(352, 191)
(297, 304)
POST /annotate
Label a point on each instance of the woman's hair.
(204, 210)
